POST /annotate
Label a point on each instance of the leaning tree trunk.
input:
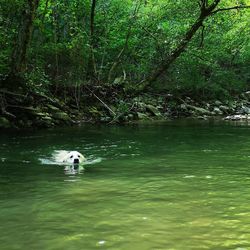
(19, 54)
(205, 11)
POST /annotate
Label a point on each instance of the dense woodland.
(101, 60)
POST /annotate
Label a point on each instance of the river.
(174, 185)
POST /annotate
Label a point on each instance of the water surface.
(175, 185)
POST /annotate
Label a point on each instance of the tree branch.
(202, 36)
(104, 104)
(206, 10)
(231, 8)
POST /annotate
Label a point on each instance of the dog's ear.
(82, 157)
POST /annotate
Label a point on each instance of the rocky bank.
(39, 110)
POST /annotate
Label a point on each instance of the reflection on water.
(168, 186)
(73, 169)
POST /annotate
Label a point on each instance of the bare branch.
(104, 104)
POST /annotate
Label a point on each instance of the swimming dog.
(70, 157)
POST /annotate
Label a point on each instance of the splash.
(53, 160)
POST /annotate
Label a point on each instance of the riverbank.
(41, 110)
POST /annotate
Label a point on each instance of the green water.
(177, 185)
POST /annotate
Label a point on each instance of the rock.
(4, 123)
(52, 108)
(236, 117)
(38, 113)
(225, 109)
(142, 116)
(198, 110)
(188, 100)
(105, 119)
(247, 95)
(153, 110)
(245, 110)
(217, 103)
(118, 80)
(45, 122)
(61, 116)
(33, 111)
(183, 106)
(208, 105)
(217, 111)
(202, 117)
(141, 106)
(47, 118)
(130, 116)
(41, 114)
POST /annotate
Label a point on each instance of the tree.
(19, 54)
(206, 10)
(92, 45)
(121, 43)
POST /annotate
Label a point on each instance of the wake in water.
(53, 160)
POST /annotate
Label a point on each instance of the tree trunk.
(91, 73)
(18, 58)
(205, 11)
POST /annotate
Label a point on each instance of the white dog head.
(73, 157)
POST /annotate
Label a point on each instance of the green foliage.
(37, 80)
(132, 37)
